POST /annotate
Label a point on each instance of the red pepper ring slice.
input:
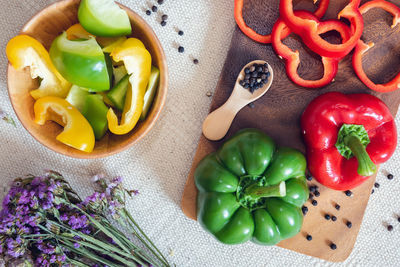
(266, 39)
(308, 29)
(362, 48)
(292, 58)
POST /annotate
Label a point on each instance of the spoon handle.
(218, 122)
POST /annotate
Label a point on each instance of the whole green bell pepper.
(251, 190)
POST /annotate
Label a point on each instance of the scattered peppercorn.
(309, 177)
(310, 196)
(312, 188)
(251, 105)
(314, 202)
(398, 219)
(163, 23)
(348, 193)
(304, 209)
(327, 216)
(390, 227)
(390, 176)
(164, 17)
(209, 94)
(334, 218)
(160, 2)
(180, 33)
(317, 193)
(181, 49)
(154, 8)
(333, 246)
(148, 12)
(373, 191)
(196, 61)
(376, 185)
(337, 206)
(349, 224)
(309, 237)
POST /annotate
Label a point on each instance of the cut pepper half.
(362, 48)
(24, 51)
(292, 58)
(77, 131)
(266, 39)
(308, 29)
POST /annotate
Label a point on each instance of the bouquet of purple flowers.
(45, 223)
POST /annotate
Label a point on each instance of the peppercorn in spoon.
(253, 82)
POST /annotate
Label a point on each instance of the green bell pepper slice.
(95, 111)
(81, 62)
(251, 190)
(151, 91)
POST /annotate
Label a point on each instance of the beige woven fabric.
(159, 164)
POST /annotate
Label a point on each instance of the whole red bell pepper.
(308, 29)
(345, 136)
(362, 48)
(292, 58)
(266, 39)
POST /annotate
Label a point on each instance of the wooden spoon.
(218, 122)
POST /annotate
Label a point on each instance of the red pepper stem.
(365, 165)
(256, 192)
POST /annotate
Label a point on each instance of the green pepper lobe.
(251, 190)
(104, 18)
(81, 62)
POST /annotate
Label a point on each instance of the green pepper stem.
(365, 165)
(255, 191)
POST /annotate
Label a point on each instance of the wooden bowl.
(45, 26)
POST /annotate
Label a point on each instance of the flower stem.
(365, 165)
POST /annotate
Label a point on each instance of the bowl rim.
(163, 89)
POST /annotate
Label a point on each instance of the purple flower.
(77, 245)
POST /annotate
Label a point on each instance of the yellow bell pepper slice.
(137, 62)
(76, 31)
(77, 131)
(24, 51)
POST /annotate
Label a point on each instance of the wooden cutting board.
(278, 114)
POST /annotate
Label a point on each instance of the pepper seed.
(164, 17)
(348, 193)
(309, 237)
(327, 216)
(304, 209)
(390, 176)
(181, 49)
(314, 202)
(349, 224)
(148, 12)
(334, 218)
(390, 227)
(333, 246)
(337, 206)
(376, 185)
(163, 23)
(154, 8)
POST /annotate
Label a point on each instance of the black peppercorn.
(327, 216)
(196, 61)
(314, 202)
(348, 193)
(317, 193)
(247, 71)
(164, 17)
(180, 33)
(148, 12)
(251, 105)
(398, 219)
(333, 246)
(181, 49)
(337, 206)
(310, 196)
(349, 224)
(254, 74)
(334, 218)
(390, 227)
(154, 8)
(376, 185)
(373, 190)
(163, 23)
(390, 176)
(308, 177)
(309, 237)
(160, 2)
(312, 188)
(304, 209)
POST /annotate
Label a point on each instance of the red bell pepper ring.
(346, 135)
(362, 48)
(292, 58)
(266, 39)
(308, 29)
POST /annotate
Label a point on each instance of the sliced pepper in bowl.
(251, 190)
(24, 51)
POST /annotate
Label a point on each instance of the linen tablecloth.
(158, 166)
